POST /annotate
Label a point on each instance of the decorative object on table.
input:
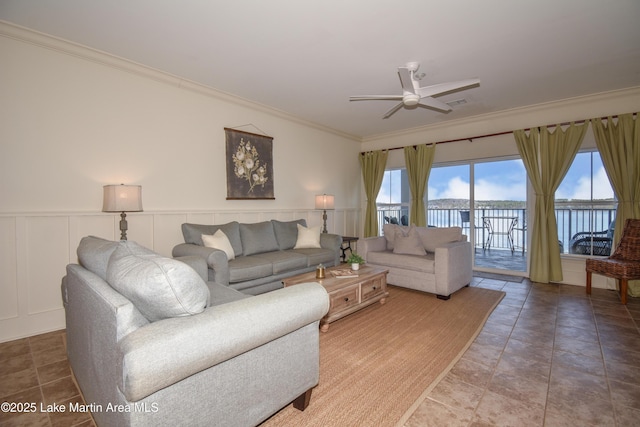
(324, 202)
(122, 198)
(320, 272)
(344, 273)
(624, 264)
(355, 260)
(249, 165)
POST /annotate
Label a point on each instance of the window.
(394, 198)
(585, 207)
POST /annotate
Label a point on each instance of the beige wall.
(73, 120)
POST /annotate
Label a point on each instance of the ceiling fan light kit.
(413, 95)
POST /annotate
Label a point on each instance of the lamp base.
(324, 221)
(123, 226)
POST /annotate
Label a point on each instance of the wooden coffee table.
(347, 294)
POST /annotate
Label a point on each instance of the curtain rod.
(471, 138)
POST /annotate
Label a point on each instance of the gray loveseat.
(428, 259)
(263, 253)
(150, 343)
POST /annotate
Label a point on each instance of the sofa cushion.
(287, 232)
(193, 234)
(251, 267)
(93, 254)
(257, 238)
(159, 287)
(316, 256)
(283, 261)
(432, 237)
(421, 263)
(219, 240)
(308, 237)
(408, 244)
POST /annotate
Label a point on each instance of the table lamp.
(122, 198)
(324, 202)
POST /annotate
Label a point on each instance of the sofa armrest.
(453, 265)
(371, 244)
(197, 263)
(216, 260)
(165, 352)
(333, 242)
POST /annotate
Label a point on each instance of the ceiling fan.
(415, 96)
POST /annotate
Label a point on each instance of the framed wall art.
(249, 165)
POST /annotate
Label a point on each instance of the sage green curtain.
(372, 164)
(547, 157)
(619, 147)
(418, 161)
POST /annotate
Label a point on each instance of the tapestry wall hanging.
(249, 165)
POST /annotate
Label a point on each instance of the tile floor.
(547, 356)
(35, 370)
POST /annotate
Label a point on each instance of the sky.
(504, 180)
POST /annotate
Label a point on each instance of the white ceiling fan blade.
(441, 88)
(370, 97)
(434, 103)
(393, 110)
(406, 80)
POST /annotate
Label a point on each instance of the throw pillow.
(219, 240)
(408, 244)
(308, 237)
(389, 232)
(432, 237)
(159, 287)
(193, 234)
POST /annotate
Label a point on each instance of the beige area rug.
(378, 364)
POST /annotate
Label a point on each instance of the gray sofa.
(428, 259)
(150, 343)
(263, 253)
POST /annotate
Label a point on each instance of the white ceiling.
(306, 57)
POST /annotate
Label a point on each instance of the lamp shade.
(122, 198)
(324, 202)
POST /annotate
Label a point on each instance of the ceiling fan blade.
(393, 110)
(370, 97)
(406, 80)
(441, 88)
(429, 102)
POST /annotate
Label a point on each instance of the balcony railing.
(571, 220)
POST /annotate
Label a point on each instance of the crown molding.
(27, 35)
(626, 101)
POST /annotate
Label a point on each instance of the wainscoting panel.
(47, 254)
(36, 248)
(8, 279)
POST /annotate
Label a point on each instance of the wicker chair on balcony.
(624, 263)
(592, 243)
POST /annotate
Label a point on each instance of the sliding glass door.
(500, 214)
(492, 212)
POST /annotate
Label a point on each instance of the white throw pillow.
(219, 240)
(308, 237)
